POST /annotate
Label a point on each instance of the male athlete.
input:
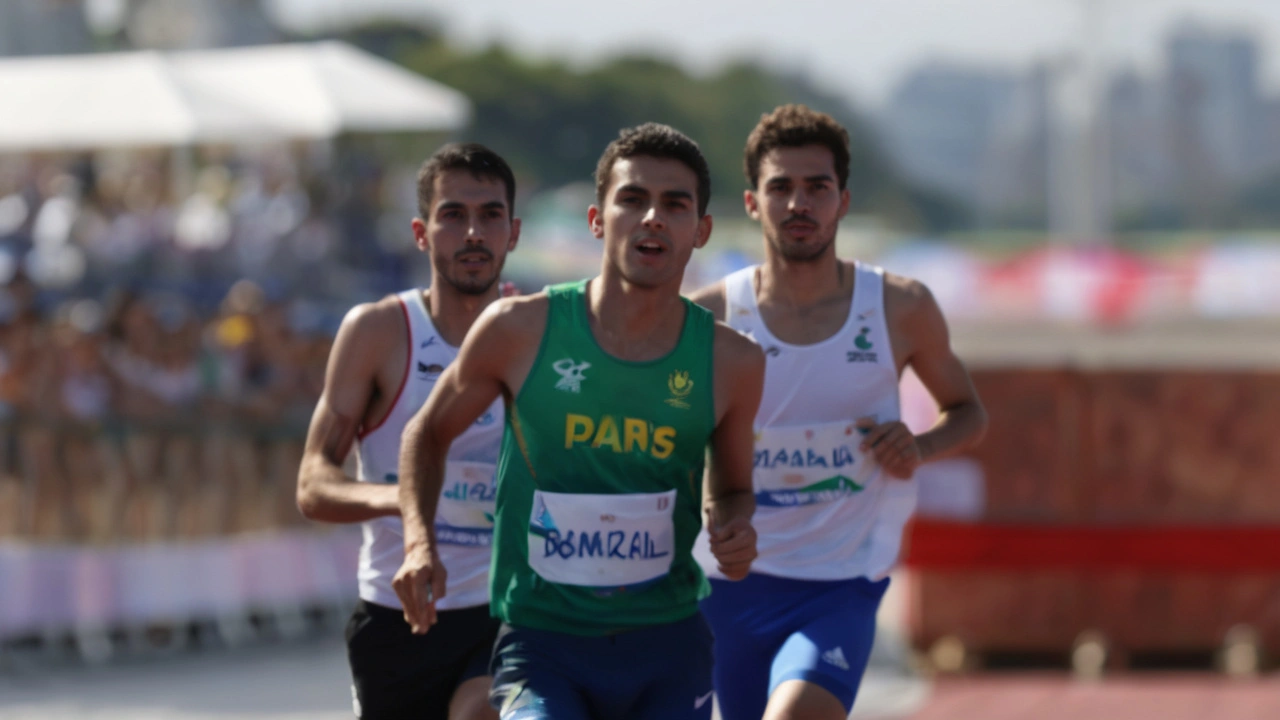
(833, 461)
(614, 387)
(387, 357)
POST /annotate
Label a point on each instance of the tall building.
(1141, 170)
(194, 24)
(1214, 104)
(43, 27)
(940, 125)
(1015, 185)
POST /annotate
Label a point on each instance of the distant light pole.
(1079, 143)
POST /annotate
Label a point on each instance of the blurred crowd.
(328, 227)
(139, 419)
(159, 359)
(153, 361)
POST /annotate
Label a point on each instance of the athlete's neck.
(634, 323)
(453, 312)
(799, 284)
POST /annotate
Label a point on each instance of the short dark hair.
(796, 126)
(474, 157)
(659, 141)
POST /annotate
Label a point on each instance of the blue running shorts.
(769, 630)
(661, 672)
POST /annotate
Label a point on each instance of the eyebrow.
(455, 205)
(641, 190)
(824, 177)
(632, 188)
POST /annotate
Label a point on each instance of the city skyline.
(860, 50)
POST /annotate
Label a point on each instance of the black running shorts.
(396, 674)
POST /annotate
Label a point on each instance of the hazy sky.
(855, 47)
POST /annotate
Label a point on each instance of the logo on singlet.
(571, 374)
(429, 372)
(865, 348)
(679, 384)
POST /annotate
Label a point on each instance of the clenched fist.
(893, 446)
(419, 584)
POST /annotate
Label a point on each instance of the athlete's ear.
(595, 220)
(515, 234)
(704, 231)
(420, 234)
(844, 202)
(749, 202)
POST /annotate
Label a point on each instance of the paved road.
(307, 680)
(303, 680)
(1055, 697)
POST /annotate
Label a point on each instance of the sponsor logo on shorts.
(835, 656)
(701, 700)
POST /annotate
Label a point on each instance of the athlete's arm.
(324, 491)
(729, 501)
(963, 420)
(482, 372)
(711, 297)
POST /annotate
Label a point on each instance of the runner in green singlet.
(615, 387)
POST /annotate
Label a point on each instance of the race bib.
(601, 541)
(807, 464)
(464, 515)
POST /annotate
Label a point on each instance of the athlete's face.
(798, 202)
(649, 220)
(469, 231)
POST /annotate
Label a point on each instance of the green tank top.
(600, 480)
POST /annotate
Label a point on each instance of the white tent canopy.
(301, 91)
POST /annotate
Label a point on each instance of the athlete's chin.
(804, 251)
(647, 278)
(472, 285)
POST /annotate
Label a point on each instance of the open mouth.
(473, 260)
(650, 247)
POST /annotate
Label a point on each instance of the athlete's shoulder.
(906, 294)
(711, 297)
(378, 324)
(909, 305)
(514, 318)
(735, 351)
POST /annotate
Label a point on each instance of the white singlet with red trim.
(824, 511)
(464, 520)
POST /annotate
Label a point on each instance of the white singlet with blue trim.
(464, 519)
(824, 511)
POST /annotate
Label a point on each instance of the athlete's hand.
(893, 446)
(419, 584)
(734, 546)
